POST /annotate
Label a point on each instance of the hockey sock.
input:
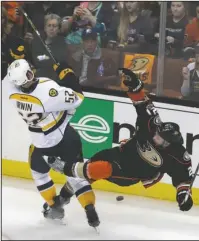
(48, 192)
(85, 196)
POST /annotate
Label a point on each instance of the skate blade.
(62, 222)
(97, 230)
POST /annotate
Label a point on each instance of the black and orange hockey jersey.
(139, 159)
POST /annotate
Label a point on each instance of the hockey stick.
(192, 181)
(39, 36)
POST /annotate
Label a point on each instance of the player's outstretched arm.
(147, 115)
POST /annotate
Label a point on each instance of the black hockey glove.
(131, 80)
(17, 49)
(67, 77)
(63, 70)
(184, 205)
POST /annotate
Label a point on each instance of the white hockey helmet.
(19, 72)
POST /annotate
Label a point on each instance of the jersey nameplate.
(24, 106)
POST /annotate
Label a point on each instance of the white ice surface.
(133, 218)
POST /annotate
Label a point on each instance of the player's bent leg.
(71, 146)
(86, 198)
(68, 152)
(40, 170)
(53, 208)
(102, 165)
(93, 170)
(81, 188)
(60, 201)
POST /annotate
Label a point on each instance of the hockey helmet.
(170, 132)
(19, 72)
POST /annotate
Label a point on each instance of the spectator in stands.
(85, 15)
(89, 51)
(133, 27)
(175, 29)
(151, 8)
(66, 8)
(192, 31)
(13, 11)
(190, 87)
(14, 16)
(111, 16)
(12, 47)
(37, 10)
(88, 63)
(55, 42)
(4, 51)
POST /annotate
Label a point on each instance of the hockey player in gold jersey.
(47, 107)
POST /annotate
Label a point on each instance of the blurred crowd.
(95, 38)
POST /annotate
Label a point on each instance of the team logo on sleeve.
(53, 92)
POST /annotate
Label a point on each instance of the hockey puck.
(119, 198)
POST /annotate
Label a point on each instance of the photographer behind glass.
(190, 87)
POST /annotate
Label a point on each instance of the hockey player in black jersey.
(156, 148)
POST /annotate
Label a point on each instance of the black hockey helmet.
(170, 132)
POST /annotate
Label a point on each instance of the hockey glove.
(184, 205)
(63, 70)
(67, 77)
(131, 80)
(17, 49)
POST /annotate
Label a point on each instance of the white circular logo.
(83, 128)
